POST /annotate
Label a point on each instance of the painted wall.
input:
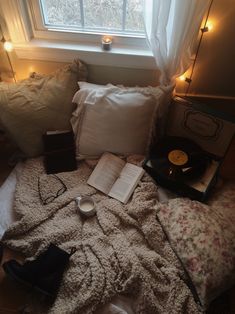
(97, 74)
(214, 71)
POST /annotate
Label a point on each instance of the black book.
(59, 151)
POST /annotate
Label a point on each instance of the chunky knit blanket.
(120, 250)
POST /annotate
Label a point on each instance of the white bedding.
(119, 304)
(7, 191)
(222, 199)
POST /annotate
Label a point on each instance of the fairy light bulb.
(182, 77)
(209, 26)
(8, 46)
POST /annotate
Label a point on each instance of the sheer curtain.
(172, 26)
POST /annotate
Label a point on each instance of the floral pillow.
(204, 239)
(223, 199)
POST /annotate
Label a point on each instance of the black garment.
(44, 273)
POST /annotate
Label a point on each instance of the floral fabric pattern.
(204, 239)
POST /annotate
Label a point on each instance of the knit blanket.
(120, 250)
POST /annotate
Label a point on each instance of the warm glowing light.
(31, 69)
(8, 46)
(209, 26)
(182, 77)
(107, 39)
(106, 42)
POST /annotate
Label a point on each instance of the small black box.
(59, 151)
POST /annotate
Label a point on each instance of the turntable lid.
(212, 133)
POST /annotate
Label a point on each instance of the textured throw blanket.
(120, 250)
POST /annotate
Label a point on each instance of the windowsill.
(119, 55)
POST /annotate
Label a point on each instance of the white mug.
(86, 205)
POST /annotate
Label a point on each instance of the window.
(114, 16)
(61, 30)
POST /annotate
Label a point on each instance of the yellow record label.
(178, 157)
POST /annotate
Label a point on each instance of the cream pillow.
(31, 107)
(114, 119)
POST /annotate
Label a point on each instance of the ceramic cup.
(86, 205)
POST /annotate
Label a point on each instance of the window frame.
(32, 41)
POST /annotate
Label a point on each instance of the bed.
(159, 253)
(118, 305)
(223, 200)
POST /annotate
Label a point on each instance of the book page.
(126, 183)
(106, 172)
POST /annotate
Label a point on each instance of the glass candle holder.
(106, 43)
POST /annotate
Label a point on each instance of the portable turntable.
(188, 158)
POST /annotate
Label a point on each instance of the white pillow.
(114, 119)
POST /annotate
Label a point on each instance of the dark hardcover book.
(59, 151)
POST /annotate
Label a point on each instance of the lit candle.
(106, 43)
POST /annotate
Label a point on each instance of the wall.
(215, 66)
(97, 74)
(5, 70)
(214, 71)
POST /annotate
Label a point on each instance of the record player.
(187, 159)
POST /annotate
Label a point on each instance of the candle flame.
(107, 39)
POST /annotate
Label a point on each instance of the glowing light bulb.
(209, 26)
(31, 69)
(8, 46)
(182, 77)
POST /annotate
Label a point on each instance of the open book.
(115, 177)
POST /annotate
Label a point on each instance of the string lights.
(207, 27)
(8, 47)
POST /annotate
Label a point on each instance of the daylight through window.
(113, 16)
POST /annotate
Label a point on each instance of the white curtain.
(172, 27)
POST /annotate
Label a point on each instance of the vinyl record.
(178, 158)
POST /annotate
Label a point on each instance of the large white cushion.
(114, 119)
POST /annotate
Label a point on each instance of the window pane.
(105, 14)
(62, 12)
(134, 17)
